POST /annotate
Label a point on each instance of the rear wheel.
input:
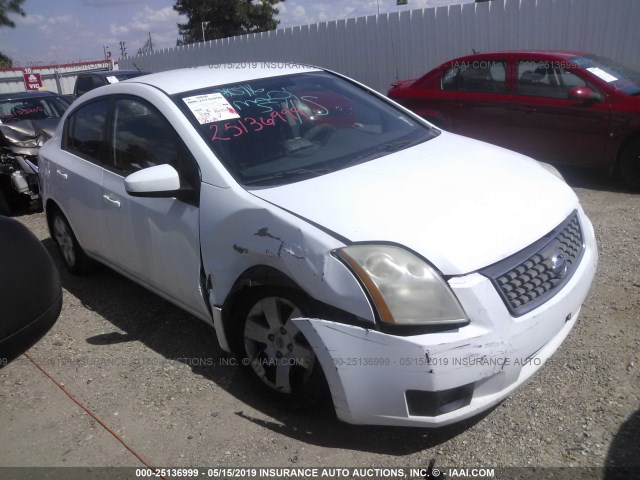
(630, 164)
(73, 256)
(277, 352)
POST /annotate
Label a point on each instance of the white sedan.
(331, 237)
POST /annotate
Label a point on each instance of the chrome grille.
(532, 276)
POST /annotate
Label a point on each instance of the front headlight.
(404, 288)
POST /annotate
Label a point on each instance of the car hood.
(25, 135)
(460, 203)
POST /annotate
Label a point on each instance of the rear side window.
(85, 131)
(87, 83)
(482, 76)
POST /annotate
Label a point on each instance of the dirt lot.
(155, 376)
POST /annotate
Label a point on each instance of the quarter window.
(483, 76)
(86, 128)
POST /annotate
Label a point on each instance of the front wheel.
(73, 256)
(630, 164)
(277, 352)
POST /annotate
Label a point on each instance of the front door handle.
(112, 201)
(63, 175)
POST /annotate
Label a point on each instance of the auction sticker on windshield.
(607, 77)
(210, 108)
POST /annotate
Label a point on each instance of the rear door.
(154, 239)
(472, 101)
(76, 172)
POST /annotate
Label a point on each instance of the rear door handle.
(112, 201)
(63, 175)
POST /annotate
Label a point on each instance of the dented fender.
(240, 231)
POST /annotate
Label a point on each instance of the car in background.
(87, 81)
(332, 238)
(555, 106)
(27, 120)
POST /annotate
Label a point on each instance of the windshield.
(36, 108)
(619, 77)
(288, 128)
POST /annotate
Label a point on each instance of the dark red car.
(557, 107)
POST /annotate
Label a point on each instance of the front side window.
(287, 128)
(141, 137)
(481, 76)
(86, 131)
(550, 79)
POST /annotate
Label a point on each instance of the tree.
(5, 62)
(6, 7)
(224, 18)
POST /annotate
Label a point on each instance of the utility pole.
(123, 49)
(203, 25)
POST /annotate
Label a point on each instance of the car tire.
(4, 206)
(73, 255)
(630, 164)
(274, 350)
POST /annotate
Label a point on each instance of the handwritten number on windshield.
(240, 127)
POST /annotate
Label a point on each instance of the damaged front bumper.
(436, 379)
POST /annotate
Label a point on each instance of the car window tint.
(142, 137)
(83, 85)
(86, 128)
(546, 79)
(99, 81)
(89, 82)
(479, 76)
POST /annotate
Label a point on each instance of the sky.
(70, 31)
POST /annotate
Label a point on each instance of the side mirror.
(585, 94)
(158, 181)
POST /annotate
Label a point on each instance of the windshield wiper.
(298, 172)
(382, 150)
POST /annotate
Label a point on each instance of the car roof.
(560, 54)
(26, 95)
(195, 78)
(109, 73)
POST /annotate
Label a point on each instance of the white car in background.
(330, 236)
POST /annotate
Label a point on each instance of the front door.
(154, 239)
(548, 125)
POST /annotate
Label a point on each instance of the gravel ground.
(134, 360)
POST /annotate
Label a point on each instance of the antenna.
(393, 51)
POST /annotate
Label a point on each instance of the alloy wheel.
(278, 352)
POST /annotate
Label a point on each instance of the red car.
(558, 107)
